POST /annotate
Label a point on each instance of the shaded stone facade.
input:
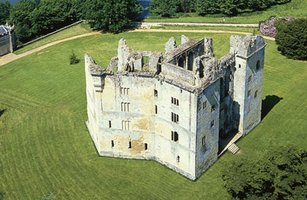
(174, 107)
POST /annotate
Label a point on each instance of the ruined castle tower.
(175, 107)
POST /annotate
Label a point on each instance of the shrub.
(73, 59)
(291, 38)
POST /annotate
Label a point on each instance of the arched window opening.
(181, 62)
(190, 61)
(258, 65)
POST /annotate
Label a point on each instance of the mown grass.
(70, 32)
(219, 28)
(296, 8)
(46, 150)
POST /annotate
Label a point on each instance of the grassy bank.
(70, 32)
(296, 8)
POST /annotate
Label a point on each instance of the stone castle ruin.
(7, 39)
(175, 107)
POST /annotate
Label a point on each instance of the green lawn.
(219, 28)
(70, 32)
(296, 8)
(46, 151)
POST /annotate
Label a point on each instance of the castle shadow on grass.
(268, 104)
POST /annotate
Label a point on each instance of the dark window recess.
(203, 141)
(156, 93)
(178, 158)
(175, 101)
(212, 123)
(110, 124)
(239, 66)
(175, 136)
(129, 144)
(112, 143)
(258, 65)
(213, 108)
(175, 118)
(156, 109)
(146, 146)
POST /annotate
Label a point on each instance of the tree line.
(170, 8)
(33, 18)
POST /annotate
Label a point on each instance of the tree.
(164, 8)
(21, 17)
(281, 174)
(291, 38)
(111, 15)
(5, 8)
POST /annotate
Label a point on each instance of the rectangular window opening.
(156, 93)
(156, 109)
(112, 143)
(174, 136)
(130, 145)
(146, 146)
(212, 123)
(110, 124)
(204, 104)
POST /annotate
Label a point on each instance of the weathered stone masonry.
(174, 107)
(7, 39)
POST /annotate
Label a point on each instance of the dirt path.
(157, 24)
(12, 57)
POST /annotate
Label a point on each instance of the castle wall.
(5, 45)
(248, 81)
(178, 155)
(152, 109)
(208, 108)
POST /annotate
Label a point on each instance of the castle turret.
(249, 56)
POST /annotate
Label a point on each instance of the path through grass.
(46, 150)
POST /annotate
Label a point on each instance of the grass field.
(70, 32)
(220, 28)
(296, 8)
(46, 151)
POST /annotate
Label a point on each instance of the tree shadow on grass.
(1, 113)
(2, 195)
(268, 104)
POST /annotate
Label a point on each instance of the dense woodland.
(171, 8)
(34, 18)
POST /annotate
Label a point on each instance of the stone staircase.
(233, 148)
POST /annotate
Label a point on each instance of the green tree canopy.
(111, 15)
(5, 8)
(281, 174)
(291, 38)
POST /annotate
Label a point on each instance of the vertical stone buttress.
(249, 58)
